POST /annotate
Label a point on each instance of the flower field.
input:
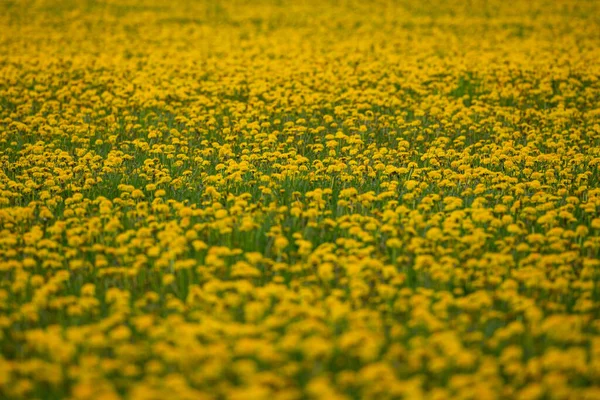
(282, 199)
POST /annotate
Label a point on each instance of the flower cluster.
(288, 200)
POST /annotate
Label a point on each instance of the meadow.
(276, 199)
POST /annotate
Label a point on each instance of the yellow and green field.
(320, 199)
